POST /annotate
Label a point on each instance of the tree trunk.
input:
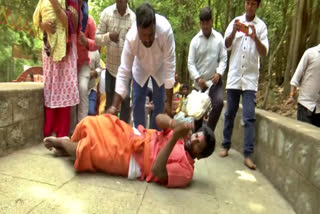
(227, 15)
(287, 74)
(271, 59)
(315, 25)
(289, 58)
(184, 69)
(297, 40)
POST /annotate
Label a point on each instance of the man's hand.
(49, 27)
(253, 34)
(236, 26)
(183, 129)
(93, 74)
(215, 78)
(114, 37)
(83, 40)
(202, 84)
(112, 110)
(290, 101)
(150, 106)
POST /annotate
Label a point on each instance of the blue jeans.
(139, 101)
(248, 116)
(110, 91)
(92, 102)
(85, 13)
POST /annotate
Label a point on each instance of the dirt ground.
(276, 102)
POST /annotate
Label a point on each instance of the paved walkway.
(33, 181)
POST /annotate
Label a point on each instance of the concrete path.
(33, 181)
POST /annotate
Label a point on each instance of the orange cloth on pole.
(106, 144)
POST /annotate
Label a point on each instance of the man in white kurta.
(149, 51)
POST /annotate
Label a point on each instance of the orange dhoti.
(106, 144)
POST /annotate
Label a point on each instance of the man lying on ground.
(105, 143)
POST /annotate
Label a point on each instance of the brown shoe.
(249, 163)
(223, 153)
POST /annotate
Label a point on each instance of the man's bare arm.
(163, 121)
(159, 168)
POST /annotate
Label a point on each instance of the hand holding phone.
(242, 27)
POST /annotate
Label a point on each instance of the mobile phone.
(244, 28)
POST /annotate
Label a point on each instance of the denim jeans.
(92, 102)
(248, 116)
(139, 101)
(305, 115)
(110, 91)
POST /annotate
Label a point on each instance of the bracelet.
(117, 110)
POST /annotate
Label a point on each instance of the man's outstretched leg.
(61, 144)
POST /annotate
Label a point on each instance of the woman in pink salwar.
(59, 62)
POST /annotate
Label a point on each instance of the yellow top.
(176, 89)
(44, 12)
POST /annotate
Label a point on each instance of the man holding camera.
(247, 38)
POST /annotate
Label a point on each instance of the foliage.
(15, 10)
(183, 16)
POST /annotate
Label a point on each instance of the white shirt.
(307, 77)
(112, 21)
(94, 57)
(244, 63)
(158, 61)
(207, 56)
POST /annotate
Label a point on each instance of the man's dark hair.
(210, 140)
(258, 1)
(205, 14)
(145, 15)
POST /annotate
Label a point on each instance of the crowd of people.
(140, 71)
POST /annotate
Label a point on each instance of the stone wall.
(287, 152)
(21, 115)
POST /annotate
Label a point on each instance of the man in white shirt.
(149, 51)
(243, 76)
(307, 77)
(207, 62)
(115, 21)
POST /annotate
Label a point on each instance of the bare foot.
(223, 153)
(249, 163)
(54, 142)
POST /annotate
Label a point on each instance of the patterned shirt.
(112, 21)
(245, 59)
(307, 77)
